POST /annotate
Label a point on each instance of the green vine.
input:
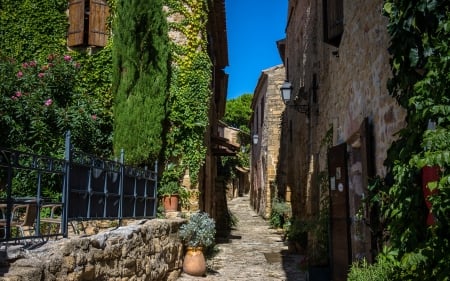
(33, 30)
(420, 48)
(190, 93)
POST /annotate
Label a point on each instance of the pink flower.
(48, 102)
(14, 98)
(18, 94)
(41, 75)
(19, 74)
(24, 65)
(32, 63)
(94, 117)
(67, 58)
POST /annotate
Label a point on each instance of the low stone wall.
(142, 250)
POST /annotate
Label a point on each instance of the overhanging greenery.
(420, 48)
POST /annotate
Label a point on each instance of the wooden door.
(339, 212)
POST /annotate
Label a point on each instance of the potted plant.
(169, 193)
(197, 234)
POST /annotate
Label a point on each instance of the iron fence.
(87, 188)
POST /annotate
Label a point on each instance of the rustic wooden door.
(339, 212)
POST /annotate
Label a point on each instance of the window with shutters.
(88, 23)
(333, 21)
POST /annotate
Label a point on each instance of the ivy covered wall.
(190, 93)
(420, 48)
(33, 30)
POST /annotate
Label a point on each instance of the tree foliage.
(140, 59)
(238, 112)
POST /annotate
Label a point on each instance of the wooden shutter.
(76, 23)
(98, 32)
(333, 21)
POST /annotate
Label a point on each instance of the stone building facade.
(336, 58)
(266, 122)
(209, 188)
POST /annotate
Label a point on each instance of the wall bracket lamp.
(286, 95)
(255, 139)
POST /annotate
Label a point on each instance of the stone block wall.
(351, 86)
(268, 108)
(351, 79)
(143, 250)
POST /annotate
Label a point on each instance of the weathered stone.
(144, 251)
(88, 272)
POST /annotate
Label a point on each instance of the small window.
(333, 21)
(87, 23)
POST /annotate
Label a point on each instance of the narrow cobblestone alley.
(252, 252)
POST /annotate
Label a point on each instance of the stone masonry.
(267, 108)
(143, 250)
(344, 85)
(252, 252)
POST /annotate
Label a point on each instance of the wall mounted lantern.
(286, 95)
(255, 139)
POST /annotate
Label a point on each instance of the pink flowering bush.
(39, 102)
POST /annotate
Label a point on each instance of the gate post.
(66, 181)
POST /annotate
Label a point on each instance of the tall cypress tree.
(140, 78)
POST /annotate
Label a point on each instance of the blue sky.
(253, 27)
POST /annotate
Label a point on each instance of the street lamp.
(286, 92)
(255, 139)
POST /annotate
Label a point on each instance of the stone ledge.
(142, 250)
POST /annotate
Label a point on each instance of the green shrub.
(280, 213)
(199, 231)
(363, 271)
(39, 103)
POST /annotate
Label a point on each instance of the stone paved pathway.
(252, 252)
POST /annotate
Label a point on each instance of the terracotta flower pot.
(194, 262)
(170, 203)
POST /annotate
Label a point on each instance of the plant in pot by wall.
(169, 193)
(197, 234)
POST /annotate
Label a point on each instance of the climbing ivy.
(190, 93)
(32, 30)
(420, 49)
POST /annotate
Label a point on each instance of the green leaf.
(432, 5)
(414, 57)
(387, 8)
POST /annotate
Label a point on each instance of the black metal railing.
(87, 188)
